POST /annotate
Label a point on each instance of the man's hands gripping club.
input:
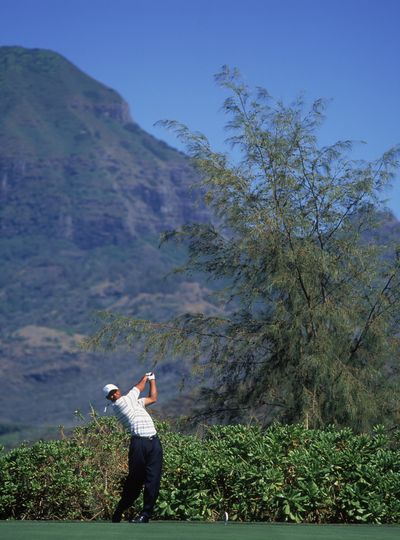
(153, 395)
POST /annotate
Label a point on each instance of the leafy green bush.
(283, 473)
(72, 478)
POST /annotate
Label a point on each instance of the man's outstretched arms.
(153, 394)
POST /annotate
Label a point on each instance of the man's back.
(131, 412)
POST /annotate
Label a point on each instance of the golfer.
(145, 451)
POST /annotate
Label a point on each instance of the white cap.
(108, 387)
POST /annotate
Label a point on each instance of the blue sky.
(161, 55)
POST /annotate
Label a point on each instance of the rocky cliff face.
(79, 168)
(84, 194)
(96, 200)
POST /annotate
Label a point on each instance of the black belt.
(146, 438)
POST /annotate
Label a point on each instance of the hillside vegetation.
(84, 195)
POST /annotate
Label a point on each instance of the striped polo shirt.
(130, 411)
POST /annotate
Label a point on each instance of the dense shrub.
(284, 473)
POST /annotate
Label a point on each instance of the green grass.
(37, 530)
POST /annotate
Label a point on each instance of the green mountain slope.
(84, 194)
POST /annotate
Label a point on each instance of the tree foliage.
(309, 321)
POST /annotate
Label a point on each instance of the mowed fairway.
(39, 530)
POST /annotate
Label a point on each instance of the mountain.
(84, 195)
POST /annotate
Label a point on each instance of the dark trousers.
(145, 464)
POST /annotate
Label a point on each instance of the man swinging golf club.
(145, 451)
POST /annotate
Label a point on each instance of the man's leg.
(152, 480)
(134, 481)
